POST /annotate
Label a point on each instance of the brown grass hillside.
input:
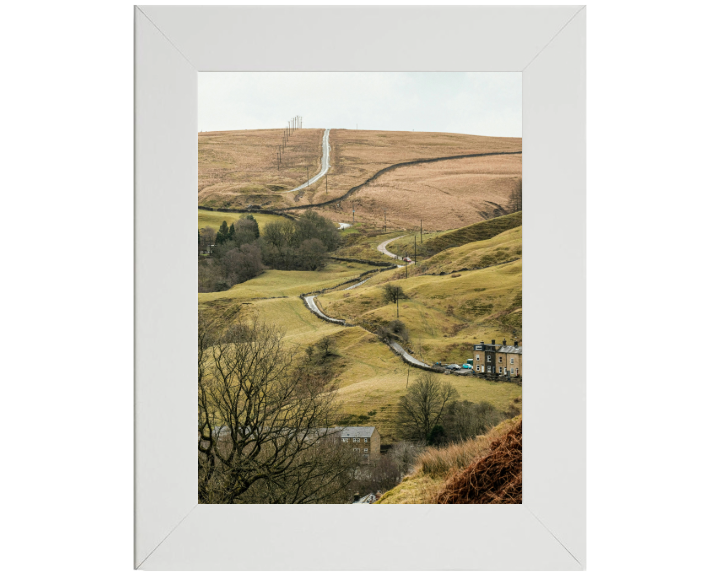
(437, 467)
(239, 167)
(437, 242)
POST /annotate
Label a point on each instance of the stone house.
(509, 359)
(499, 359)
(365, 440)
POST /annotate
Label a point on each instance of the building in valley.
(499, 359)
(365, 440)
(509, 359)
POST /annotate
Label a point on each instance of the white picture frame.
(545, 43)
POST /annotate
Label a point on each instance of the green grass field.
(371, 377)
(214, 219)
(446, 315)
(436, 242)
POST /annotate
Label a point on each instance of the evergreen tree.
(256, 227)
(231, 232)
(223, 233)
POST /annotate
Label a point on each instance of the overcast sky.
(485, 103)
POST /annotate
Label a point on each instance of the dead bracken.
(492, 479)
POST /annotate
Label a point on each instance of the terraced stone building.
(498, 359)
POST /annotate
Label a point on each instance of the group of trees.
(239, 252)
(235, 255)
(264, 414)
(431, 412)
(300, 244)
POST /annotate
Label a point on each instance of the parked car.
(453, 367)
(467, 366)
(407, 259)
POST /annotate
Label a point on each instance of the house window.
(482, 368)
(366, 440)
(345, 439)
(366, 449)
(477, 357)
(512, 360)
(356, 449)
(489, 358)
(500, 359)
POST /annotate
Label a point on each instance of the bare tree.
(515, 200)
(206, 237)
(393, 293)
(465, 420)
(263, 422)
(424, 404)
(404, 454)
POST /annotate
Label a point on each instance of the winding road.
(324, 165)
(314, 308)
(312, 305)
(414, 361)
(382, 247)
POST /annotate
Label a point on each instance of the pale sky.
(483, 103)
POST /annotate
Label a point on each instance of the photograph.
(360, 288)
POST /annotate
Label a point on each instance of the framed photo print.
(360, 279)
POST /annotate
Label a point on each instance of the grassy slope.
(437, 465)
(371, 377)
(214, 219)
(438, 241)
(239, 167)
(486, 303)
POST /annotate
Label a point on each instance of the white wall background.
(67, 287)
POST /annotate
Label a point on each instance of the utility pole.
(415, 250)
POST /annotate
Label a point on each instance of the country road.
(414, 361)
(313, 306)
(310, 300)
(382, 247)
(324, 165)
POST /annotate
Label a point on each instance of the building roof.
(510, 350)
(369, 499)
(357, 431)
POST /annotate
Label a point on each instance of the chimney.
(493, 341)
(516, 344)
(504, 343)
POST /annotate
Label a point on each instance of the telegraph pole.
(415, 250)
